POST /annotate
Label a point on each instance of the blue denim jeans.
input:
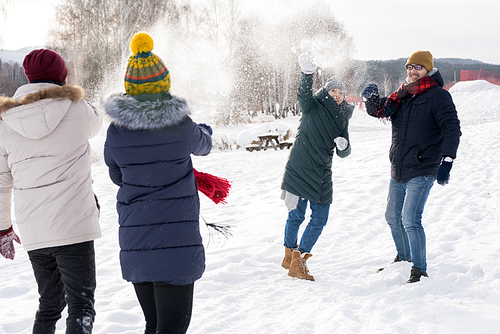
(319, 217)
(65, 276)
(405, 206)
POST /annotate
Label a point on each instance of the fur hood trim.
(146, 114)
(71, 92)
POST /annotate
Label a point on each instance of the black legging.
(167, 308)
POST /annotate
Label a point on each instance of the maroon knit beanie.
(44, 64)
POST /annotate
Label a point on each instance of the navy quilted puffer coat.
(148, 151)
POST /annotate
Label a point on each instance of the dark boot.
(415, 275)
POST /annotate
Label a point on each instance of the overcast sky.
(381, 30)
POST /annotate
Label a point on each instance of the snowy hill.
(15, 56)
(245, 290)
(476, 101)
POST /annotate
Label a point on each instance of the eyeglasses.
(417, 67)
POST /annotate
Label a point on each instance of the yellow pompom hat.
(146, 72)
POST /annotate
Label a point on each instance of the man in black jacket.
(425, 138)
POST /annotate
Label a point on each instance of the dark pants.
(167, 308)
(65, 276)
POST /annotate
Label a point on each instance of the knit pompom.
(141, 42)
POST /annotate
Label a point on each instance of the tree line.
(11, 77)
(218, 50)
(390, 74)
(222, 54)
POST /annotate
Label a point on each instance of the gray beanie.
(334, 82)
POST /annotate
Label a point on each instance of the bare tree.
(93, 36)
(257, 58)
(266, 56)
(11, 77)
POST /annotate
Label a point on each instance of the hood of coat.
(325, 99)
(36, 109)
(147, 111)
(437, 76)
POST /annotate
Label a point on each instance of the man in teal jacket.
(308, 172)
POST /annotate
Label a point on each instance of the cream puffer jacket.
(45, 161)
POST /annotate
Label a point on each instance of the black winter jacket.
(425, 128)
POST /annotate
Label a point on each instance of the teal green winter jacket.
(308, 172)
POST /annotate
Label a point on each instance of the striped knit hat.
(146, 72)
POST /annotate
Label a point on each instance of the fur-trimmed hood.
(32, 93)
(36, 109)
(146, 112)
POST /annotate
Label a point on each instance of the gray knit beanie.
(334, 82)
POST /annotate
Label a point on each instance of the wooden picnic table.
(268, 140)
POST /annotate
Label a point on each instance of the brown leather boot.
(288, 258)
(298, 266)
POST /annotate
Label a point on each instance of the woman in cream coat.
(45, 162)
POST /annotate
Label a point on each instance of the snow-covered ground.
(245, 290)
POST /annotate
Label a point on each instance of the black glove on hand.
(369, 91)
(206, 127)
(443, 174)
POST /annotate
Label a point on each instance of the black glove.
(369, 91)
(443, 174)
(206, 127)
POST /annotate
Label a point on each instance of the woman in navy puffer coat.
(148, 151)
(157, 203)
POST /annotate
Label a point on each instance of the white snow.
(245, 290)
(251, 136)
(473, 86)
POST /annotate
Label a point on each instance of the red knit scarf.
(418, 87)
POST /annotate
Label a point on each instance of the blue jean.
(405, 206)
(65, 276)
(319, 217)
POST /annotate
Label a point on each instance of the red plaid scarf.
(418, 87)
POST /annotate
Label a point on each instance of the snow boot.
(415, 275)
(288, 258)
(298, 266)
